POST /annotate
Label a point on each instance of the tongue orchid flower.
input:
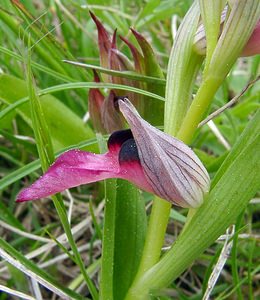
(152, 160)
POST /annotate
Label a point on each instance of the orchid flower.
(154, 161)
(104, 117)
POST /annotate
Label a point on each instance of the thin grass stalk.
(46, 155)
(234, 258)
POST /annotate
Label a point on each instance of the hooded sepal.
(171, 167)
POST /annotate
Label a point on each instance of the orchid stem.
(198, 108)
(155, 235)
(190, 215)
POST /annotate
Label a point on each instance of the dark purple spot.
(116, 99)
(117, 138)
(128, 152)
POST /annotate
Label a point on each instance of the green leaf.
(39, 125)
(108, 242)
(124, 74)
(65, 127)
(182, 70)
(130, 230)
(248, 136)
(123, 238)
(49, 49)
(38, 66)
(46, 154)
(165, 10)
(8, 95)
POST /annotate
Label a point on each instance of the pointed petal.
(114, 63)
(171, 167)
(71, 169)
(137, 56)
(153, 109)
(152, 68)
(104, 42)
(117, 60)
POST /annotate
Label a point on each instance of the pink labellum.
(76, 167)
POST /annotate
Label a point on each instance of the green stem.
(155, 235)
(180, 77)
(161, 209)
(190, 215)
(198, 108)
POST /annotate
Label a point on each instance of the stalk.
(174, 113)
